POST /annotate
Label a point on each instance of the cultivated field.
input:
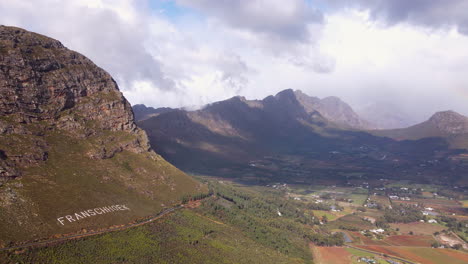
(417, 228)
(423, 255)
(331, 255)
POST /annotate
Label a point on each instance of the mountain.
(71, 155)
(142, 112)
(449, 125)
(288, 137)
(334, 110)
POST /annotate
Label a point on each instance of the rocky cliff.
(68, 142)
(44, 86)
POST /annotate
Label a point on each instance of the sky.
(405, 56)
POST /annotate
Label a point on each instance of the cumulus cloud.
(431, 13)
(287, 29)
(276, 19)
(111, 33)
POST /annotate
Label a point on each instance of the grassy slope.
(69, 181)
(183, 237)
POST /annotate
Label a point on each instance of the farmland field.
(417, 228)
(383, 200)
(465, 203)
(358, 199)
(423, 255)
(331, 216)
(410, 240)
(331, 255)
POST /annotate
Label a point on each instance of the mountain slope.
(143, 112)
(68, 144)
(449, 125)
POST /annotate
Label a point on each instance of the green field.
(465, 203)
(330, 216)
(358, 199)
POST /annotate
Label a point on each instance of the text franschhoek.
(91, 212)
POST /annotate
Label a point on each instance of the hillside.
(286, 137)
(449, 125)
(69, 144)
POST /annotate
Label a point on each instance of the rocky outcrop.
(43, 87)
(40, 79)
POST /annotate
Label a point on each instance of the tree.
(457, 246)
(324, 219)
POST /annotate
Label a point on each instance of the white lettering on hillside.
(91, 212)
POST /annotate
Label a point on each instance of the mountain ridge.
(253, 139)
(449, 125)
(142, 111)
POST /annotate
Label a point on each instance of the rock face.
(45, 85)
(68, 143)
(40, 79)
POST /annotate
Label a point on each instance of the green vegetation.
(183, 237)
(402, 214)
(268, 218)
(71, 181)
(459, 227)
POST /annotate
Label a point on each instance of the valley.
(380, 221)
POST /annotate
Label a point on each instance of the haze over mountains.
(69, 143)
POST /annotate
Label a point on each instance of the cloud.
(287, 29)
(429, 13)
(275, 19)
(111, 33)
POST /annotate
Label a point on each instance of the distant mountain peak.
(450, 122)
(447, 115)
(332, 108)
(449, 125)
